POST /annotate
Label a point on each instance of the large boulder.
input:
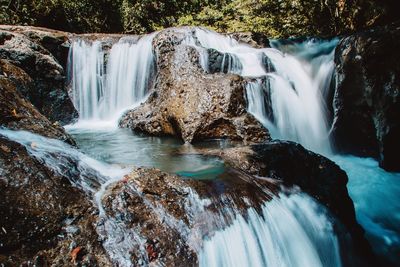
(188, 103)
(43, 56)
(366, 98)
(293, 165)
(18, 113)
(165, 218)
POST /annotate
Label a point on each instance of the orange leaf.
(74, 254)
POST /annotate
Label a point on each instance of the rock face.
(42, 55)
(367, 96)
(316, 175)
(18, 113)
(188, 103)
(171, 216)
(42, 216)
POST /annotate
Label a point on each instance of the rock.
(37, 207)
(257, 40)
(367, 95)
(39, 53)
(188, 103)
(171, 216)
(18, 113)
(316, 175)
(222, 62)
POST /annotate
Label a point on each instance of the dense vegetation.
(277, 18)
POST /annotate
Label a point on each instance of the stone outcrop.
(190, 104)
(19, 114)
(367, 96)
(316, 175)
(44, 219)
(42, 54)
(172, 215)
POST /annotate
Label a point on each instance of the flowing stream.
(289, 96)
(286, 91)
(104, 84)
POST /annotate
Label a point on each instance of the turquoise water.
(375, 193)
(122, 147)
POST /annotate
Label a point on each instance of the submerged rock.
(188, 103)
(18, 113)
(42, 55)
(367, 96)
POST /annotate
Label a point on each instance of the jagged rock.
(316, 175)
(367, 96)
(222, 62)
(190, 104)
(18, 113)
(172, 215)
(42, 216)
(41, 54)
(257, 40)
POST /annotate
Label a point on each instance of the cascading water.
(103, 89)
(295, 86)
(286, 89)
(291, 231)
(288, 93)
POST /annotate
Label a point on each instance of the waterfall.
(290, 231)
(106, 83)
(87, 77)
(294, 84)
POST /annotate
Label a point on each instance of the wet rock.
(37, 207)
(188, 103)
(171, 216)
(222, 62)
(316, 175)
(367, 96)
(18, 113)
(257, 40)
(42, 55)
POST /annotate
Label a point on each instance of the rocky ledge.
(293, 165)
(42, 54)
(367, 95)
(18, 113)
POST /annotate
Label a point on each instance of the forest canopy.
(275, 18)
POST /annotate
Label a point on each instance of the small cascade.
(290, 231)
(87, 65)
(288, 95)
(103, 89)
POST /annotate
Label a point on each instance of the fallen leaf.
(74, 254)
(14, 112)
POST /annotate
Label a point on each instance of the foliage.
(275, 18)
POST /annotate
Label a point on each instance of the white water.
(290, 102)
(102, 91)
(296, 87)
(291, 231)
